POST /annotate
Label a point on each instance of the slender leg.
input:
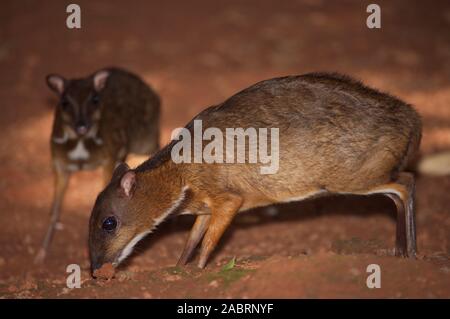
(222, 212)
(406, 228)
(196, 234)
(61, 181)
(407, 179)
(402, 192)
(400, 238)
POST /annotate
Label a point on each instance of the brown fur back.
(336, 135)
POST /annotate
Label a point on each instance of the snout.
(95, 266)
(97, 261)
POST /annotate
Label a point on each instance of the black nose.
(81, 128)
(94, 266)
(96, 262)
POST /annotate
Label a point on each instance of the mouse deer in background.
(336, 136)
(98, 121)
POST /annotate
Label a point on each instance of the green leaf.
(230, 265)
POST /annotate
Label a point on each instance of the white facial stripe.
(93, 134)
(79, 152)
(70, 135)
(98, 141)
(158, 220)
(61, 140)
(129, 248)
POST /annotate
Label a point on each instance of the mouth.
(98, 268)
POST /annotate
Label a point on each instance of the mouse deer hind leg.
(406, 221)
(402, 192)
(61, 182)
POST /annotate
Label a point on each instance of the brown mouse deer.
(98, 121)
(335, 136)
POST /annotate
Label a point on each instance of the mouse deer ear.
(100, 79)
(56, 83)
(127, 178)
(120, 169)
(127, 183)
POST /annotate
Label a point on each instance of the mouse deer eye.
(64, 103)
(109, 224)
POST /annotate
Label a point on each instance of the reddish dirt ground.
(195, 54)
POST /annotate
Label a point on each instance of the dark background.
(196, 54)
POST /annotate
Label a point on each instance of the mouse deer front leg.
(61, 182)
(223, 209)
(196, 234)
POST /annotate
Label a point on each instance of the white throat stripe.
(158, 220)
(129, 247)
